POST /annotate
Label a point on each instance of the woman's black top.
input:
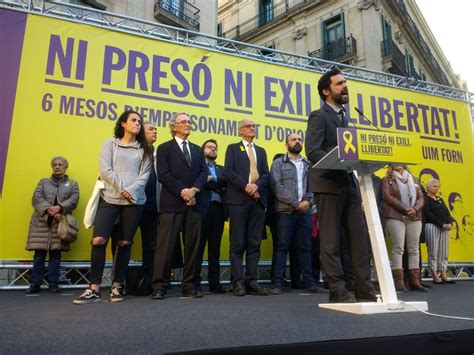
(436, 212)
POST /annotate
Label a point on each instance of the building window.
(387, 30)
(410, 64)
(334, 38)
(173, 7)
(266, 11)
(333, 30)
(387, 37)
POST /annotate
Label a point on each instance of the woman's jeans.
(37, 273)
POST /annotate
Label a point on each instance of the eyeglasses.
(184, 122)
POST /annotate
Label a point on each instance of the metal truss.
(16, 275)
(148, 29)
(73, 275)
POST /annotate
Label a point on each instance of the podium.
(341, 158)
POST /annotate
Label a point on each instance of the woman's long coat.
(42, 235)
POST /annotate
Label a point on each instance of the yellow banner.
(74, 81)
(378, 146)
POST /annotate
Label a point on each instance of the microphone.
(348, 118)
(360, 113)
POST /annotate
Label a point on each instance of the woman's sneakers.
(116, 294)
(91, 296)
(88, 296)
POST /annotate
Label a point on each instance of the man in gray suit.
(337, 195)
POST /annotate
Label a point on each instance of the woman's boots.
(444, 278)
(436, 279)
(398, 280)
(414, 281)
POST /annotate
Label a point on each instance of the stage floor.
(51, 323)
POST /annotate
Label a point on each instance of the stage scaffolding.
(16, 274)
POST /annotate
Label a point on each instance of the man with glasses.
(182, 171)
(246, 172)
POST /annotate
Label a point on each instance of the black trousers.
(148, 227)
(337, 211)
(211, 233)
(246, 229)
(316, 258)
(166, 241)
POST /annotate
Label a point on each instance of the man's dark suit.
(246, 215)
(339, 204)
(212, 228)
(175, 174)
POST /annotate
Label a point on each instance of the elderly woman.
(125, 162)
(403, 203)
(53, 197)
(438, 224)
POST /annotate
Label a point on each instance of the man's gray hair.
(64, 160)
(241, 122)
(241, 125)
(172, 123)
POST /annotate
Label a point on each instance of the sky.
(452, 24)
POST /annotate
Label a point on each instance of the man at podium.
(337, 195)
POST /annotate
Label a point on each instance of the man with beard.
(289, 183)
(337, 195)
(213, 220)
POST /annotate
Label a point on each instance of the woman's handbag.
(92, 204)
(68, 228)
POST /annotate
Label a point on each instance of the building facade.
(193, 15)
(389, 36)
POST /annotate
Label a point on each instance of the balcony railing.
(272, 14)
(337, 51)
(400, 7)
(177, 13)
(390, 51)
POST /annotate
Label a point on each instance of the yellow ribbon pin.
(347, 136)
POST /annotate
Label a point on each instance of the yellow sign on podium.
(370, 145)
